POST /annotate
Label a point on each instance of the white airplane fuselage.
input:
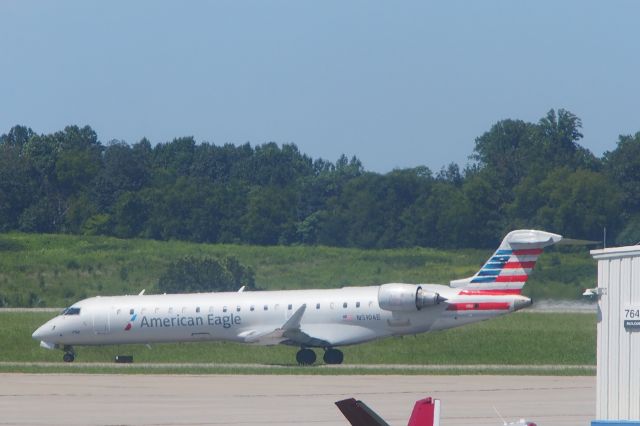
(339, 317)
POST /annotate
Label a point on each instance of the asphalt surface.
(114, 399)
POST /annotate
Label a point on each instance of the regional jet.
(309, 319)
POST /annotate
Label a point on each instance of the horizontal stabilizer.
(574, 242)
(529, 238)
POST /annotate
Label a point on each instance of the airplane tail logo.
(507, 271)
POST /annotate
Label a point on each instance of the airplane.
(324, 319)
(426, 412)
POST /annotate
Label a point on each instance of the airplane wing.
(289, 333)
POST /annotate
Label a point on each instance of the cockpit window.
(71, 311)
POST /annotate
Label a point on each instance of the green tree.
(126, 169)
(18, 186)
(578, 204)
(440, 218)
(176, 157)
(507, 151)
(270, 217)
(272, 165)
(78, 159)
(622, 165)
(560, 134)
(130, 214)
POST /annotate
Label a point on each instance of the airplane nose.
(39, 333)
(44, 332)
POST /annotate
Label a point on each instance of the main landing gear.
(333, 356)
(306, 356)
(69, 354)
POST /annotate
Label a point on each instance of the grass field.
(57, 270)
(520, 339)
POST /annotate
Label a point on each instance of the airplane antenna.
(241, 289)
(498, 413)
(142, 292)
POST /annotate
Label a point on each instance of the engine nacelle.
(406, 297)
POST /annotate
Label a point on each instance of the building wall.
(618, 381)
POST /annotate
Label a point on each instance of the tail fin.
(426, 412)
(359, 414)
(509, 267)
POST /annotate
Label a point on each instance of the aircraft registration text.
(368, 317)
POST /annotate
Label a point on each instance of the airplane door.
(101, 323)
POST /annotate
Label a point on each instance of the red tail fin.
(426, 412)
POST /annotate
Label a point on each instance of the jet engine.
(406, 297)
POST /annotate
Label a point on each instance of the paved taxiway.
(79, 399)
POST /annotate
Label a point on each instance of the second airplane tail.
(507, 271)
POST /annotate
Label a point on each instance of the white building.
(618, 382)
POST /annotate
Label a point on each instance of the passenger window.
(224, 309)
(198, 309)
(357, 304)
(290, 306)
(252, 308)
(238, 308)
(130, 311)
(266, 307)
(344, 305)
(210, 308)
(317, 306)
(170, 310)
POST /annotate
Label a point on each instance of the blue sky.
(398, 84)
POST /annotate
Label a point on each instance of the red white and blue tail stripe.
(507, 271)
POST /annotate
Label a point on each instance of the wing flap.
(289, 333)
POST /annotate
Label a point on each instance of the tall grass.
(57, 270)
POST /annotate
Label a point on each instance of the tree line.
(520, 174)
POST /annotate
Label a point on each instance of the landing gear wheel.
(306, 357)
(333, 356)
(68, 357)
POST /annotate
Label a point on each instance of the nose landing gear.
(69, 354)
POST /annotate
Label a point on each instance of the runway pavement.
(114, 399)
